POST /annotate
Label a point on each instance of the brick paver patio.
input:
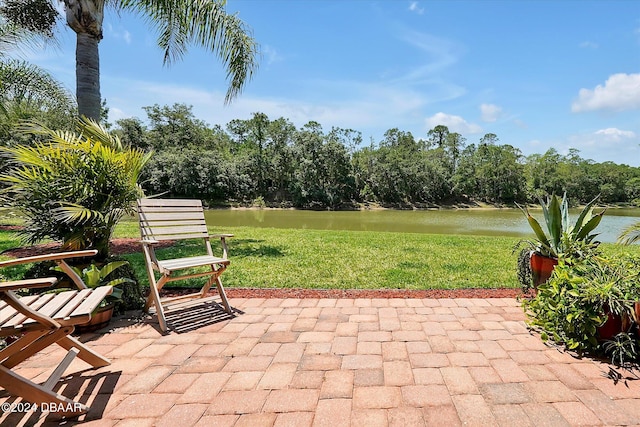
(351, 362)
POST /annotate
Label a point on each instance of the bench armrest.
(48, 257)
(40, 282)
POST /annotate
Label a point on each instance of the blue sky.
(538, 74)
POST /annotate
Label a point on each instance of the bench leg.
(85, 353)
(35, 393)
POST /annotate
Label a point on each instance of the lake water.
(492, 222)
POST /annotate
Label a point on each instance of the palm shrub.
(75, 186)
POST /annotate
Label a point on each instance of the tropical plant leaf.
(585, 215)
(584, 231)
(110, 267)
(553, 218)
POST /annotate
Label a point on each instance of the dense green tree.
(133, 133)
(260, 158)
(176, 126)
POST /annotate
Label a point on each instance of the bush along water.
(589, 306)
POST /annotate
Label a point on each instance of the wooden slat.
(35, 305)
(54, 305)
(72, 304)
(151, 209)
(169, 202)
(199, 261)
(178, 236)
(8, 312)
(92, 301)
(161, 216)
(170, 223)
(177, 229)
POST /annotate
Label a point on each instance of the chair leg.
(35, 393)
(23, 341)
(35, 346)
(85, 353)
(223, 295)
(154, 298)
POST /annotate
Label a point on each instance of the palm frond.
(630, 235)
(204, 23)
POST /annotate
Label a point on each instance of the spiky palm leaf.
(206, 24)
(630, 235)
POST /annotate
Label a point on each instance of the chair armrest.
(223, 242)
(221, 236)
(149, 242)
(40, 282)
(48, 257)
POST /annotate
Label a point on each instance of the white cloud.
(118, 33)
(490, 112)
(614, 134)
(454, 123)
(620, 92)
(611, 144)
(414, 7)
(271, 54)
(372, 108)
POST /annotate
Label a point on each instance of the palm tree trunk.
(88, 76)
(85, 18)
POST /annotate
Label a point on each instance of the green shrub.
(574, 303)
(75, 186)
(130, 298)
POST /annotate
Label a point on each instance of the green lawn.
(293, 258)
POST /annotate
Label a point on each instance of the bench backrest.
(171, 219)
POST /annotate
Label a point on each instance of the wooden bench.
(39, 321)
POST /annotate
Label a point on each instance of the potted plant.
(589, 306)
(561, 238)
(94, 276)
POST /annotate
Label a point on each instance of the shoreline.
(477, 206)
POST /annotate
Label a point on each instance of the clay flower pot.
(541, 268)
(99, 319)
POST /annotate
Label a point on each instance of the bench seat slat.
(91, 302)
(35, 305)
(198, 261)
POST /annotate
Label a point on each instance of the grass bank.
(318, 259)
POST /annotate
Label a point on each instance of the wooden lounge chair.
(41, 320)
(178, 219)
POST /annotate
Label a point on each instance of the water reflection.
(493, 222)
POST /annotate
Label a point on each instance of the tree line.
(260, 160)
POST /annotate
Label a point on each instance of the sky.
(538, 74)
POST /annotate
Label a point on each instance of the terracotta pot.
(611, 328)
(541, 268)
(99, 319)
